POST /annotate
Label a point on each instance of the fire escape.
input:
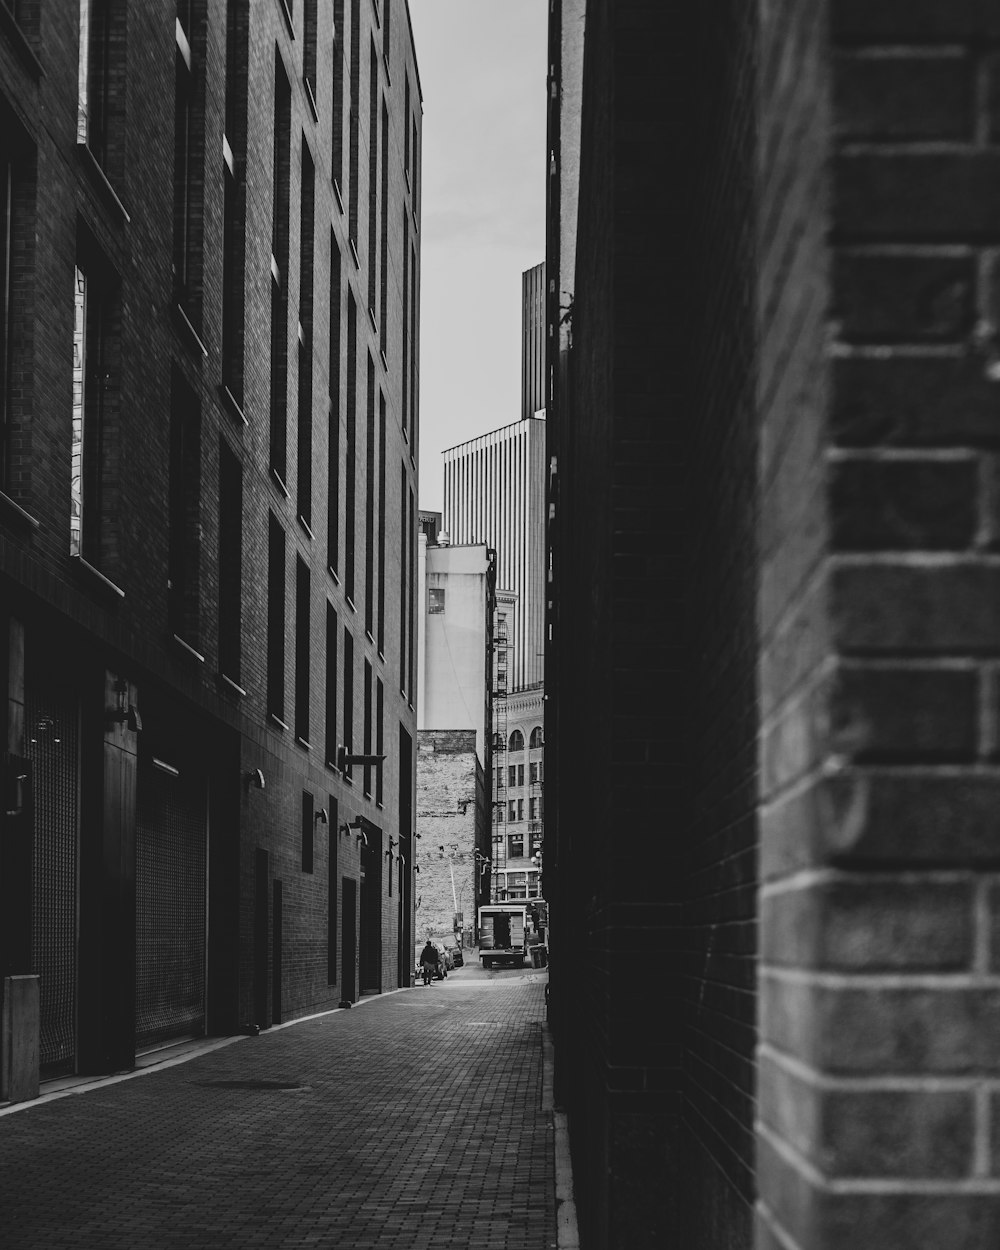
(501, 645)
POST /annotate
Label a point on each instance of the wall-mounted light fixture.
(392, 844)
(124, 713)
(321, 818)
(345, 829)
(254, 780)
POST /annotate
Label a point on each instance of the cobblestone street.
(419, 1119)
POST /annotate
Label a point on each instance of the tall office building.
(533, 309)
(209, 288)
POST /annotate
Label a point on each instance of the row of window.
(515, 773)
(515, 809)
(516, 740)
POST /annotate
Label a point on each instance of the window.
(332, 890)
(520, 809)
(17, 268)
(435, 600)
(384, 238)
(404, 355)
(533, 809)
(414, 302)
(309, 52)
(337, 71)
(331, 684)
(333, 456)
(512, 774)
(402, 577)
(184, 512)
(97, 76)
(189, 149)
(520, 774)
(305, 406)
(534, 772)
(536, 737)
(279, 268)
(308, 826)
(348, 696)
(355, 79)
(516, 741)
(411, 597)
(351, 450)
(275, 618)
(367, 730)
(230, 562)
(233, 261)
(93, 488)
(534, 841)
(372, 228)
(515, 848)
(370, 503)
(302, 649)
(379, 736)
(380, 602)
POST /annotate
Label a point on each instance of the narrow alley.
(418, 1119)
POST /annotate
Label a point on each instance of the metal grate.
(170, 906)
(52, 736)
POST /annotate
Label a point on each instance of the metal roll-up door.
(52, 740)
(170, 904)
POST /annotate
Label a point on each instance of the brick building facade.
(207, 512)
(773, 613)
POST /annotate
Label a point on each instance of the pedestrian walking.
(429, 961)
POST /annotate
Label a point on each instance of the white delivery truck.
(503, 931)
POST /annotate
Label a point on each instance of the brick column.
(879, 1060)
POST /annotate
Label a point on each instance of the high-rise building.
(533, 311)
(208, 438)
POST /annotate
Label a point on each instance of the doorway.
(349, 940)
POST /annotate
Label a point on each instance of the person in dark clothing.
(430, 961)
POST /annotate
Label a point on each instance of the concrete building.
(207, 513)
(772, 668)
(457, 597)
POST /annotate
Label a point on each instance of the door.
(349, 939)
(260, 934)
(276, 956)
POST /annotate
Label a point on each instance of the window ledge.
(229, 685)
(354, 253)
(188, 649)
(190, 335)
(385, 363)
(372, 318)
(350, 603)
(388, 74)
(232, 404)
(278, 482)
(336, 192)
(303, 742)
(307, 528)
(96, 577)
(16, 36)
(12, 512)
(333, 573)
(99, 179)
(275, 719)
(311, 98)
(286, 13)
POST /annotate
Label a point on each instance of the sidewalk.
(417, 1120)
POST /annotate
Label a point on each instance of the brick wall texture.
(775, 608)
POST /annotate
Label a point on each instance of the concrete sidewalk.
(417, 1120)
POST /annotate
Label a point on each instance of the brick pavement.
(417, 1120)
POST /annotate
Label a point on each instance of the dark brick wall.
(125, 211)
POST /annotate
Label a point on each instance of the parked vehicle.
(503, 935)
(457, 958)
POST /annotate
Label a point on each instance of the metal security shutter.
(170, 906)
(52, 734)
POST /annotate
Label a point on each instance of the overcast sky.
(482, 69)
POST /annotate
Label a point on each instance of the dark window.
(370, 502)
(305, 406)
(333, 451)
(402, 578)
(372, 228)
(308, 826)
(411, 583)
(414, 300)
(404, 355)
(386, 32)
(234, 197)
(331, 684)
(309, 51)
(189, 161)
(511, 774)
(96, 348)
(367, 722)
(302, 648)
(17, 268)
(511, 809)
(383, 250)
(348, 696)
(275, 618)
(381, 523)
(379, 737)
(533, 773)
(337, 70)
(435, 600)
(351, 450)
(96, 77)
(516, 742)
(230, 562)
(536, 737)
(279, 268)
(353, 155)
(515, 846)
(184, 529)
(406, 129)
(520, 774)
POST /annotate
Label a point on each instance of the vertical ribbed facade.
(494, 493)
(533, 341)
